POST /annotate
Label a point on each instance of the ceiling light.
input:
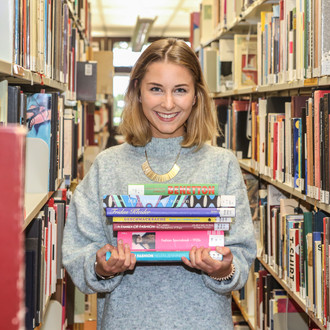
(141, 32)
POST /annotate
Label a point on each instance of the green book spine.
(173, 189)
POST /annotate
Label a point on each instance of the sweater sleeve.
(85, 232)
(240, 239)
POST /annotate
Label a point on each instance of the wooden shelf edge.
(293, 295)
(33, 202)
(296, 84)
(246, 317)
(290, 190)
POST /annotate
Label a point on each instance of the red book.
(12, 173)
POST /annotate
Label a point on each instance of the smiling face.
(167, 97)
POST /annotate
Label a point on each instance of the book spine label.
(170, 212)
(171, 240)
(169, 201)
(178, 189)
(170, 226)
(173, 219)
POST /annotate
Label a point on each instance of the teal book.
(164, 256)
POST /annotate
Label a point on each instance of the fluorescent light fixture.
(141, 32)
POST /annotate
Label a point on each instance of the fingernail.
(120, 241)
(126, 245)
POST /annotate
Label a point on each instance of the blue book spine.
(158, 256)
(17, 33)
(170, 212)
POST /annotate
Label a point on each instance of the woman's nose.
(168, 101)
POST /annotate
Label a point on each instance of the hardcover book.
(165, 256)
(168, 201)
(131, 226)
(170, 212)
(171, 240)
(175, 189)
(173, 219)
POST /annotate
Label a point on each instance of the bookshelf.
(245, 164)
(292, 294)
(291, 65)
(248, 318)
(38, 61)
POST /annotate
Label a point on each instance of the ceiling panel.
(117, 18)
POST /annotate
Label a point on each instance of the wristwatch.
(101, 277)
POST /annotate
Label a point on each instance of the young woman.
(167, 121)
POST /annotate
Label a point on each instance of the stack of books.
(163, 222)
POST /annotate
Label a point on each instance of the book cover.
(240, 138)
(170, 212)
(245, 62)
(133, 226)
(12, 172)
(171, 240)
(173, 219)
(287, 311)
(170, 189)
(169, 201)
(39, 123)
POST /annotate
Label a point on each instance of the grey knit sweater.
(162, 296)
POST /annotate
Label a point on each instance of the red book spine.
(12, 173)
(130, 226)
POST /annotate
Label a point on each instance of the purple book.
(170, 212)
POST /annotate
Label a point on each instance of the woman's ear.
(194, 101)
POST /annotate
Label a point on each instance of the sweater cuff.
(93, 281)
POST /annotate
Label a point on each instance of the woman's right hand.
(121, 259)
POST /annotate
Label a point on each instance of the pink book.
(171, 240)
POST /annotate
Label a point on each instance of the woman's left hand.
(200, 259)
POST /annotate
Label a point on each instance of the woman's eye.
(180, 90)
(155, 89)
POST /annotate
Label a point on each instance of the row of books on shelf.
(166, 227)
(56, 135)
(289, 44)
(43, 260)
(267, 304)
(294, 242)
(287, 138)
(41, 36)
(215, 16)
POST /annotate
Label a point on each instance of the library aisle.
(64, 70)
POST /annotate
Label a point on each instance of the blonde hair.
(202, 124)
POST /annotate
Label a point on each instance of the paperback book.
(170, 212)
(173, 219)
(176, 189)
(169, 201)
(171, 240)
(131, 226)
(165, 256)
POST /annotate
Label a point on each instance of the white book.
(7, 31)
(325, 38)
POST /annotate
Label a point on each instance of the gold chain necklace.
(160, 177)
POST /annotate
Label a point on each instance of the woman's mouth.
(167, 116)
